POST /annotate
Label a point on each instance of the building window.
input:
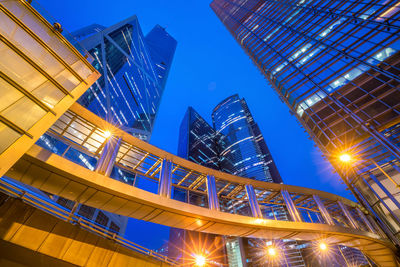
(86, 211)
(102, 219)
(69, 204)
(114, 228)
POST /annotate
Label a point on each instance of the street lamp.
(323, 246)
(200, 260)
(345, 157)
(272, 251)
(107, 134)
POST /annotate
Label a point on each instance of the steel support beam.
(324, 212)
(213, 202)
(366, 221)
(348, 215)
(108, 156)
(255, 208)
(388, 194)
(294, 213)
(165, 183)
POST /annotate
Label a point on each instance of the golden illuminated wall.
(41, 76)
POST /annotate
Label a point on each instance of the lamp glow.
(200, 260)
(323, 246)
(272, 251)
(107, 134)
(345, 157)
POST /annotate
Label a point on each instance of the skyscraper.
(134, 70)
(197, 140)
(234, 145)
(243, 151)
(336, 66)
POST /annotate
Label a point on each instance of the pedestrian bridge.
(153, 185)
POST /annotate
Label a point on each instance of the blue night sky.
(208, 67)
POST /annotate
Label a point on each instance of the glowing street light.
(345, 158)
(107, 134)
(323, 246)
(272, 251)
(200, 260)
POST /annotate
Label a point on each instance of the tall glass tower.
(243, 151)
(336, 65)
(134, 71)
(197, 140)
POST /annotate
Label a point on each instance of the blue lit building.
(197, 140)
(242, 148)
(134, 71)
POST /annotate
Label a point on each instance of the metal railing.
(47, 205)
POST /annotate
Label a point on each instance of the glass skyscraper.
(243, 151)
(197, 140)
(336, 65)
(134, 71)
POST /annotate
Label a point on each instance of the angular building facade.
(336, 65)
(134, 70)
(197, 140)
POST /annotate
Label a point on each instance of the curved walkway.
(57, 175)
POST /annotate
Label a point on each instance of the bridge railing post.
(213, 202)
(294, 213)
(348, 215)
(324, 212)
(165, 183)
(254, 206)
(108, 156)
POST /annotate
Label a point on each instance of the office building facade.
(134, 70)
(336, 66)
(243, 151)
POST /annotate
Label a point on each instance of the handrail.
(48, 206)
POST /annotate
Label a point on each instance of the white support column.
(213, 202)
(255, 208)
(324, 212)
(294, 213)
(165, 183)
(108, 156)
